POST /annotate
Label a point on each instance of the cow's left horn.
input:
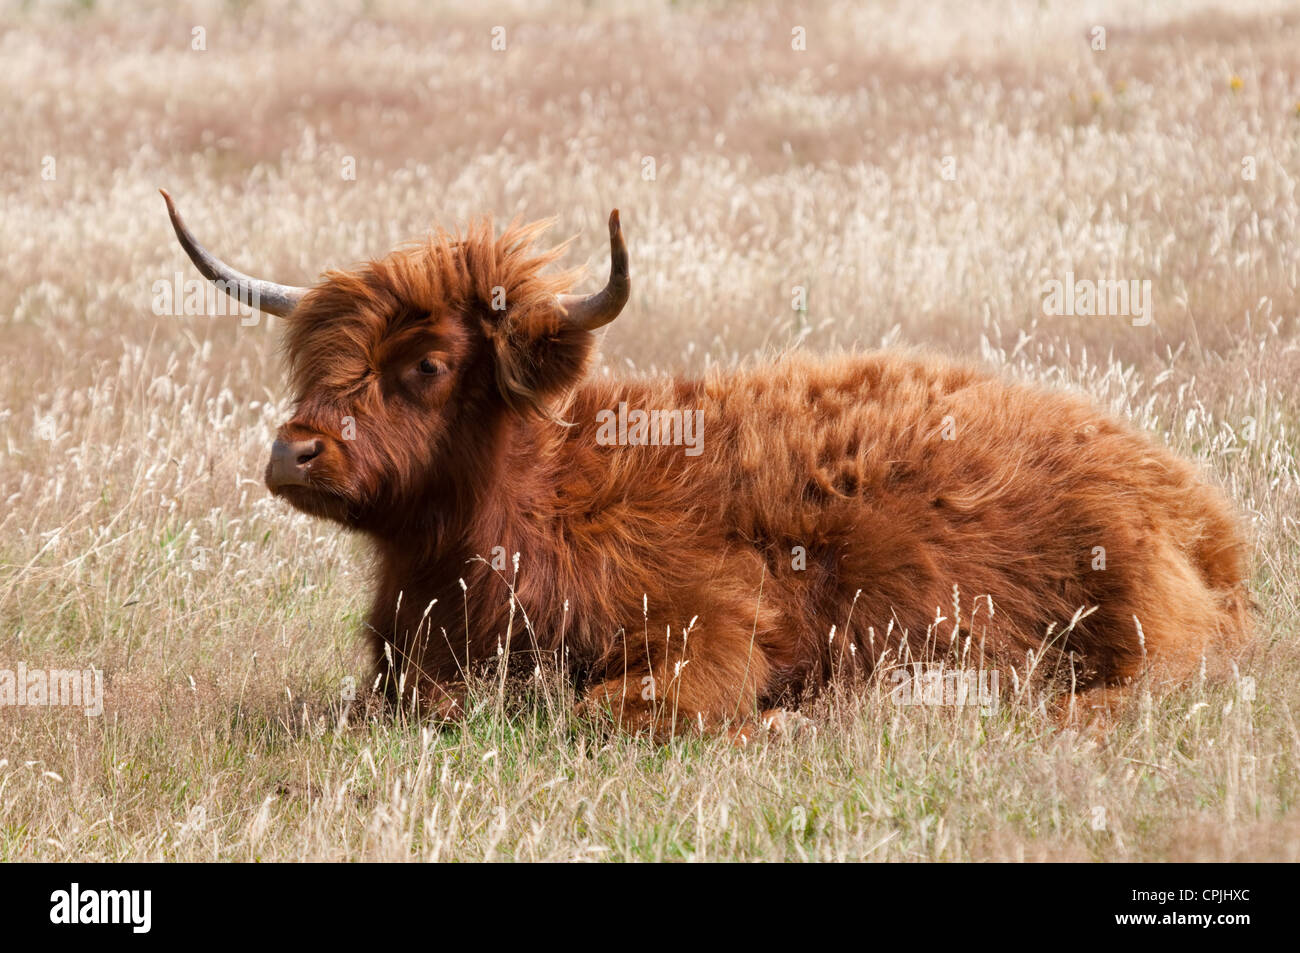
(592, 311)
(264, 295)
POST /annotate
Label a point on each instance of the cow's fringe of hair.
(471, 271)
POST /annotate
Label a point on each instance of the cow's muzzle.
(291, 462)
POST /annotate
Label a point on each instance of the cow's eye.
(431, 368)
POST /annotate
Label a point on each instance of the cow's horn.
(264, 295)
(592, 311)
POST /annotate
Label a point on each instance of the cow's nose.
(290, 461)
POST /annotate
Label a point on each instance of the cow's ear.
(544, 340)
(534, 369)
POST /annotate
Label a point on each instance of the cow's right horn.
(592, 311)
(264, 295)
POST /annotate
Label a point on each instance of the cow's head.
(407, 371)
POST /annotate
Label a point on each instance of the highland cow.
(839, 514)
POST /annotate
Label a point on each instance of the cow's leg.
(427, 698)
(443, 701)
(416, 693)
(708, 679)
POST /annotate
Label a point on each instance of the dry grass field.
(921, 169)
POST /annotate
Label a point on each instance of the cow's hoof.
(781, 723)
(774, 724)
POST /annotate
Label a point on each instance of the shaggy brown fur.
(671, 583)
